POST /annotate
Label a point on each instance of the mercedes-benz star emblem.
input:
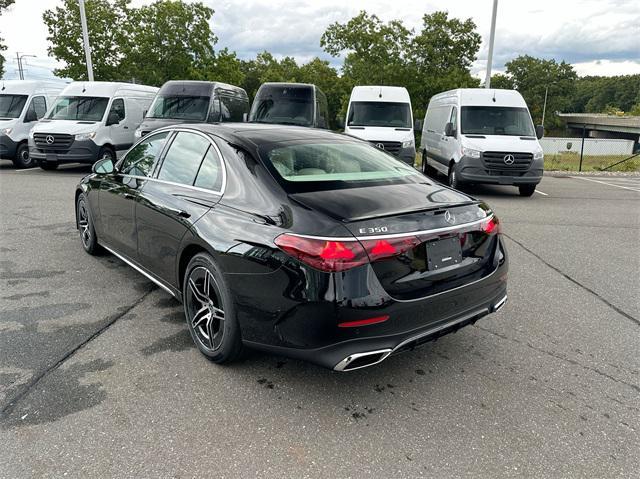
(449, 218)
(49, 139)
(508, 159)
(380, 145)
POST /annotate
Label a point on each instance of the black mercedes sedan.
(296, 241)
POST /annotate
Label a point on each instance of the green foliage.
(500, 81)
(595, 94)
(4, 4)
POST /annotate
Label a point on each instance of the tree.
(500, 81)
(4, 4)
(532, 76)
(320, 73)
(109, 26)
(594, 94)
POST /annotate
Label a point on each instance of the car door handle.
(129, 196)
(180, 213)
(125, 127)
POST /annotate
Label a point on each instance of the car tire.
(48, 165)
(526, 190)
(88, 236)
(23, 158)
(453, 177)
(106, 153)
(210, 312)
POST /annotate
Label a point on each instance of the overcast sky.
(599, 37)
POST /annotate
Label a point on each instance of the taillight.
(389, 247)
(492, 226)
(322, 254)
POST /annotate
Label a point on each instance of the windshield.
(284, 105)
(350, 164)
(11, 105)
(378, 113)
(87, 108)
(180, 107)
(496, 120)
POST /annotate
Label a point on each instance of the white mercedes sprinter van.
(382, 115)
(90, 121)
(478, 135)
(22, 104)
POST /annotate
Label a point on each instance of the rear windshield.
(325, 165)
(496, 120)
(86, 108)
(182, 107)
(11, 105)
(285, 105)
(378, 113)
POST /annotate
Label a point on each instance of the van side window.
(210, 173)
(183, 159)
(37, 109)
(117, 107)
(454, 119)
(232, 108)
(140, 158)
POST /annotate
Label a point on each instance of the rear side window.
(210, 173)
(140, 159)
(233, 108)
(183, 159)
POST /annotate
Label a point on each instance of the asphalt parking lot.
(98, 375)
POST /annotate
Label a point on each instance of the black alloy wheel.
(85, 226)
(23, 159)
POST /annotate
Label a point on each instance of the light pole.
(85, 40)
(544, 105)
(492, 35)
(19, 59)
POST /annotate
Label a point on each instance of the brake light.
(492, 226)
(322, 254)
(389, 247)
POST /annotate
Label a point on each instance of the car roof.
(252, 135)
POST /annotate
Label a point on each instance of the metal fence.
(590, 154)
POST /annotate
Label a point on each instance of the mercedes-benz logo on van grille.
(49, 139)
(380, 145)
(449, 218)
(508, 159)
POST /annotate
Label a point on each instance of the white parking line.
(606, 183)
(28, 169)
(542, 193)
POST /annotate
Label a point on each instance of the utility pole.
(492, 35)
(20, 74)
(85, 40)
(544, 105)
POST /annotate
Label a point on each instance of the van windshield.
(496, 120)
(284, 105)
(87, 108)
(180, 107)
(11, 105)
(379, 113)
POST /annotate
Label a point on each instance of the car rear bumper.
(80, 151)
(8, 148)
(472, 170)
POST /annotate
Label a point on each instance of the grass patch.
(571, 162)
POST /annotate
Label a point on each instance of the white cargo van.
(22, 103)
(478, 135)
(382, 115)
(90, 121)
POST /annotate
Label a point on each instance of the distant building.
(601, 125)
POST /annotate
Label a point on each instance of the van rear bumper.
(472, 170)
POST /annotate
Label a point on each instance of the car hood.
(502, 143)
(70, 127)
(354, 204)
(375, 133)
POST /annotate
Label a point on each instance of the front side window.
(284, 105)
(84, 108)
(11, 105)
(37, 107)
(140, 159)
(180, 107)
(454, 119)
(352, 164)
(183, 159)
(232, 108)
(496, 120)
(117, 107)
(378, 113)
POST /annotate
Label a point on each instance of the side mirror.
(417, 126)
(103, 167)
(144, 113)
(340, 123)
(30, 116)
(113, 118)
(539, 131)
(245, 117)
(448, 130)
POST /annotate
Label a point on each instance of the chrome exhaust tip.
(498, 306)
(362, 360)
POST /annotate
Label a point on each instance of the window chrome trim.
(169, 129)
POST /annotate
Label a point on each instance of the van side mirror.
(103, 167)
(113, 118)
(144, 113)
(340, 123)
(539, 131)
(448, 130)
(417, 126)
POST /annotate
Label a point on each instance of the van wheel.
(453, 177)
(48, 165)
(526, 190)
(107, 153)
(23, 159)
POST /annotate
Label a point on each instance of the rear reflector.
(363, 322)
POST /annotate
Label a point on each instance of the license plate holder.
(443, 253)
(52, 157)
